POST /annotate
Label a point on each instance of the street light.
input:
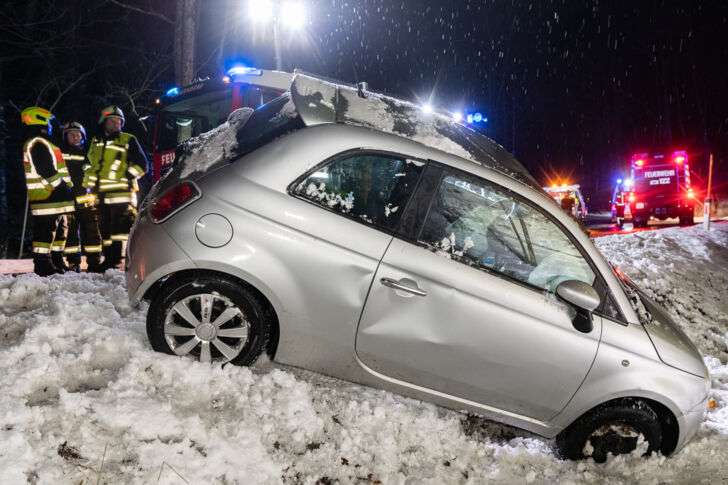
(260, 11)
(291, 14)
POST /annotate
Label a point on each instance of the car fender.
(627, 365)
(246, 276)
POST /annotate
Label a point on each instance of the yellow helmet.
(36, 116)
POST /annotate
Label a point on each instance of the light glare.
(293, 15)
(260, 11)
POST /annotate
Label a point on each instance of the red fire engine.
(659, 187)
(184, 112)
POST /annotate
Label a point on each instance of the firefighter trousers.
(84, 235)
(116, 221)
(49, 233)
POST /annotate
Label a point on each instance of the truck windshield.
(186, 118)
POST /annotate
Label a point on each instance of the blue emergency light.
(244, 71)
(476, 117)
(171, 92)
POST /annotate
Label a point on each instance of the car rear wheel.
(210, 319)
(687, 220)
(615, 428)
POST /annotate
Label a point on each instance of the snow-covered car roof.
(320, 101)
(315, 101)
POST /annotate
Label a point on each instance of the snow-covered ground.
(84, 399)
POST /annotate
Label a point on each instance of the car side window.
(479, 224)
(370, 187)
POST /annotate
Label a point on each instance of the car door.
(342, 225)
(467, 307)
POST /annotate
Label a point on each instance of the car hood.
(672, 345)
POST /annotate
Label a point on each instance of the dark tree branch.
(150, 12)
(69, 86)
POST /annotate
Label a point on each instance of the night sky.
(572, 87)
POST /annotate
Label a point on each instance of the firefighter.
(567, 203)
(49, 187)
(116, 162)
(84, 234)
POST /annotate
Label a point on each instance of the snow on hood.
(319, 101)
(202, 152)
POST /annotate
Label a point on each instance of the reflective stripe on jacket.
(40, 188)
(75, 158)
(115, 164)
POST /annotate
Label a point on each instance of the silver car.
(355, 235)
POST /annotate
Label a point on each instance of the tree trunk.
(3, 177)
(185, 41)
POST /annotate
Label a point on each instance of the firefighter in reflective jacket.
(49, 187)
(85, 233)
(116, 162)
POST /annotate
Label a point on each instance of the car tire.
(687, 220)
(224, 342)
(612, 428)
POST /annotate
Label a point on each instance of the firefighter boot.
(113, 256)
(74, 262)
(42, 266)
(58, 261)
(94, 263)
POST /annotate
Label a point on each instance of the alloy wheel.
(206, 326)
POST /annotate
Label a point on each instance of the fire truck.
(569, 198)
(187, 111)
(659, 187)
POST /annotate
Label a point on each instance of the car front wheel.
(617, 428)
(208, 318)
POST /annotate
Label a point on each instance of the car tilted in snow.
(355, 235)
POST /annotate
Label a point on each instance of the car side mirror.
(582, 297)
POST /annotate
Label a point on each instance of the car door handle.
(398, 285)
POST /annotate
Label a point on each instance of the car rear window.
(272, 120)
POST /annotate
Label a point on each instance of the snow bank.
(84, 398)
(686, 271)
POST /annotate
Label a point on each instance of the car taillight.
(631, 197)
(173, 200)
(691, 194)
